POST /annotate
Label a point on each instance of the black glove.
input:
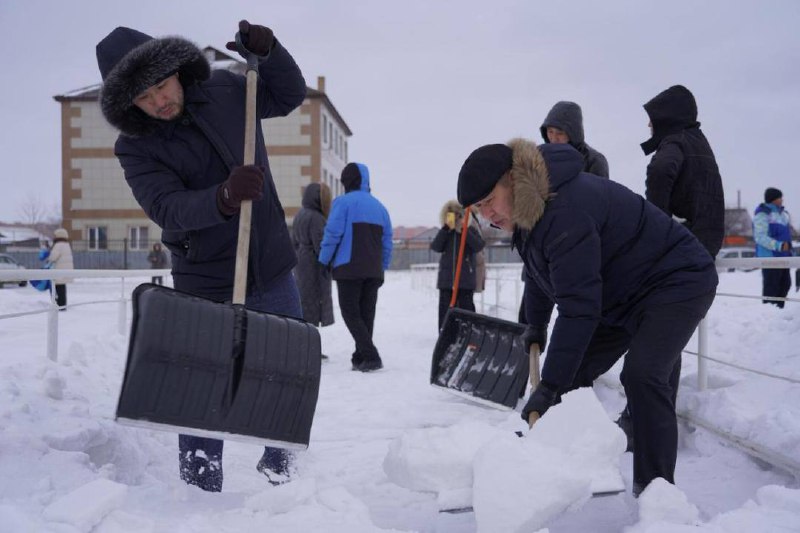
(534, 335)
(257, 39)
(544, 397)
(243, 183)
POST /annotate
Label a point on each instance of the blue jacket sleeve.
(334, 231)
(281, 86)
(387, 240)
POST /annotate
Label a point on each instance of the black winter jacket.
(683, 178)
(600, 252)
(174, 168)
(447, 242)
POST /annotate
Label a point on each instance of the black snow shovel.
(479, 357)
(219, 370)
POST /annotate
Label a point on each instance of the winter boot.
(368, 365)
(626, 425)
(200, 471)
(275, 465)
(356, 360)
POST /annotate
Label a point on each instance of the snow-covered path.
(65, 466)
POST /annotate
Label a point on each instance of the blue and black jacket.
(771, 228)
(358, 235)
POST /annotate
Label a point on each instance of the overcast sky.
(423, 83)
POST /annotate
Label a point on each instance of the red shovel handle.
(462, 245)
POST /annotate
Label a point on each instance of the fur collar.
(531, 183)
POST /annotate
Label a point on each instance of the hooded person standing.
(564, 124)
(682, 177)
(181, 147)
(313, 279)
(628, 282)
(447, 242)
(357, 246)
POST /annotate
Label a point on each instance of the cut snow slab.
(86, 506)
(520, 484)
(575, 449)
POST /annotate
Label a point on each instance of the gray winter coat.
(567, 116)
(313, 280)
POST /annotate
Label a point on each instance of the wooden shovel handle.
(534, 377)
(243, 244)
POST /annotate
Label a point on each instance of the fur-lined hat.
(130, 62)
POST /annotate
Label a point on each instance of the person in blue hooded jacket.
(357, 246)
(772, 231)
(181, 146)
(627, 279)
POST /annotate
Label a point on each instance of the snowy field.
(388, 450)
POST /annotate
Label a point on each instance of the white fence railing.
(52, 310)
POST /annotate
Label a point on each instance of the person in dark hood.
(313, 279)
(447, 242)
(628, 281)
(682, 177)
(181, 147)
(564, 124)
(357, 246)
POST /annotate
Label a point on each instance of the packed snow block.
(86, 506)
(480, 357)
(219, 370)
(520, 485)
(437, 459)
(580, 426)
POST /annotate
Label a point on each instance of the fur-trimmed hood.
(531, 182)
(451, 206)
(130, 62)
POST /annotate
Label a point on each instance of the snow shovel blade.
(480, 358)
(209, 369)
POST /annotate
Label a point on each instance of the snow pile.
(572, 451)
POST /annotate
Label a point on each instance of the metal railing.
(52, 310)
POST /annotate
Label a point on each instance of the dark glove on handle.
(257, 39)
(544, 397)
(243, 183)
(534, 335)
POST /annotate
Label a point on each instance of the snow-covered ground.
(387, 449)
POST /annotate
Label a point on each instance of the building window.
(345, 152)
(330, 132)
(98, 238)
(138, 238)
(324, 129)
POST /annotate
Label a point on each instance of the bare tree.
(35, 214)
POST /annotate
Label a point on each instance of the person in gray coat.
(564, 124)
(313, 279)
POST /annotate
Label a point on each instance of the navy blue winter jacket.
(174, 168)
(358, 236)
(597, 250)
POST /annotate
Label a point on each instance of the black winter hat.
(772, 194)
(481, 171)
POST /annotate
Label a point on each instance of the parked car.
(9, 263)
(736, 252)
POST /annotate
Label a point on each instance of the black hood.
(130, 62)
(671, 111)
(566, 116)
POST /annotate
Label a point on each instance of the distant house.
(16, 237)
(414, 237)
(98, 209)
